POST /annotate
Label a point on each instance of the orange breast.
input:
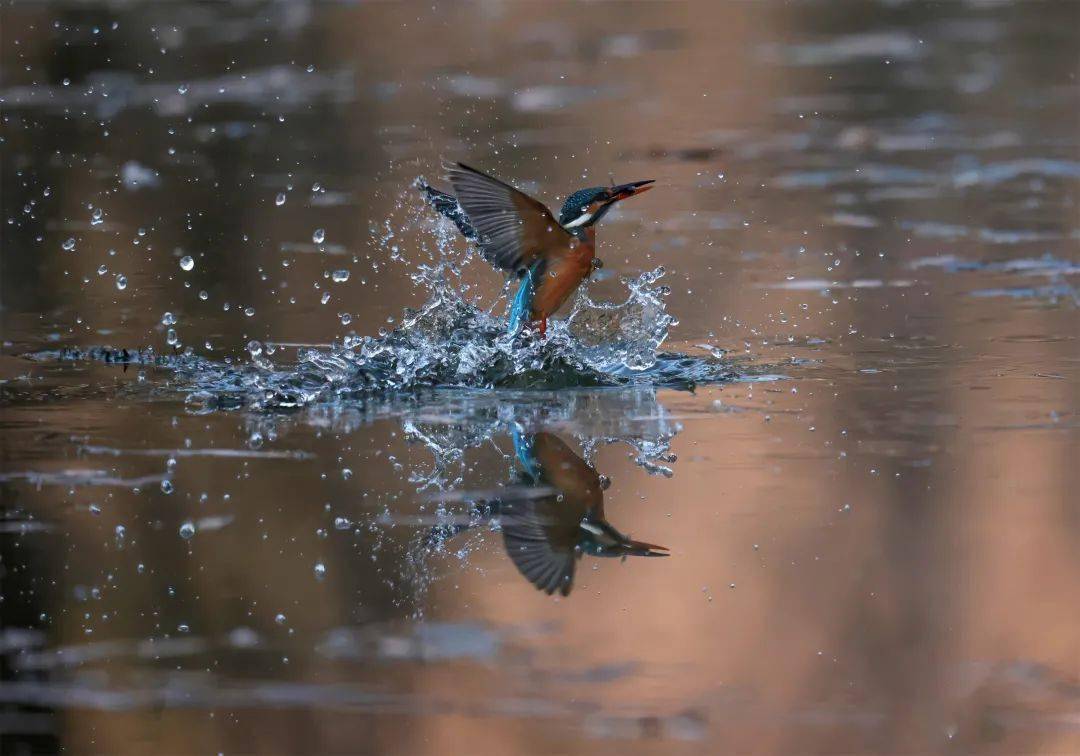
(562, 275)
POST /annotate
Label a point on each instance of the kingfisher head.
(585, 207)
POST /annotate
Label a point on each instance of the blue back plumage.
(524, 452)
(521, 307)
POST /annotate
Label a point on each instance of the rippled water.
(795, 472)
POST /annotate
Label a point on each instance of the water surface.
(253, 504)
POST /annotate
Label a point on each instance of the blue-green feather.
(521, 307)
(571, 209)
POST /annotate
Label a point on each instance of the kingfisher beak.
(623, 191)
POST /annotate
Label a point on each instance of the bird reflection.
(553, 516)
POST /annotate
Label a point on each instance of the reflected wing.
(528, 538)
(514, 230)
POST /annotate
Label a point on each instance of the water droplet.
(96, 218)
(183, 628)
(249, 311)
(346, 473)
(182, 89)
(203, 295)
(319, 236)
(187, 530)
(345, 317)
(254, 348)
(121, 282)
(342, 523)
(166, 486)
(280, 199)
(187, 262)
(340, 276)
(102, 270)
(95, 509)
(281, 619)
(325, 297)
(69, 244)
(320, 570)
(171, 338)
(168, 319)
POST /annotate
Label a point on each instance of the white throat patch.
(585, 217)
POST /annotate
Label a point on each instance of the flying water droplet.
(249, 311)
(121, 282)
(187, 262)
(96, 218)
(318, 237)
(168, 319)
(340, 276)
(320, 570)
(69, 244)
(166, 486)
(187, 530)
(280, 199)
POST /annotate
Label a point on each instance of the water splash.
(451, 340)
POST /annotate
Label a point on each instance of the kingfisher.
(517, 233)
(551, 518)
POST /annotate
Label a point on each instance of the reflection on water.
(274, 479)
(550, 519)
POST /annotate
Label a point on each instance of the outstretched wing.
(447, 205)
(541, 549)
(513, 229)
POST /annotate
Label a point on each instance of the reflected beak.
(624, 191)
(640, 548)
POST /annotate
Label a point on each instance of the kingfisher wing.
(513, 229)
(447, 205)
(542, 551)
